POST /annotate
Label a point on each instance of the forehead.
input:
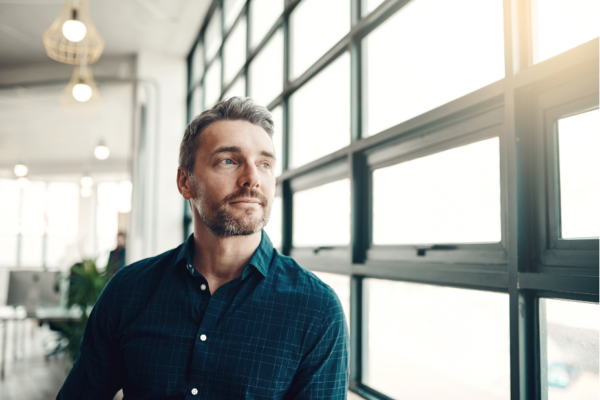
(243, 134)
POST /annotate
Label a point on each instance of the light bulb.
(86, 182)
(85, 191)
(101, 152)
(22, 182)
(21, 170)
(82, 92)
(74, 30)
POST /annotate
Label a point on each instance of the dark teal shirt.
(277, 332)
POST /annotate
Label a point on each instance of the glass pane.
(62, 251)
(9, 207)
(266, 71)
(273, 227)
(263, 14)
(212, 83)
(321, 113)
(232, 10)
(426, 342)
(8, 251)
(437, 57)
(33, 221)
(371, 5)
(316, 26)
(578, 148)
(561, 25)
(235, 51)
(426, 199)
(237, 89)
(569, 347)
(197, 64)
(63, 209)
(341, 285)
(196, 104)
(322, 215)
(32, 247)
(277, 113)
(213, 35)
(107, 216)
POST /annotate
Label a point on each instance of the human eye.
(226, 161)
(265, 165)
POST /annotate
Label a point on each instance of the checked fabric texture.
(277, 332)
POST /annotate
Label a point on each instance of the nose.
(249, 177)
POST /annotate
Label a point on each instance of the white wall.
(157, 213)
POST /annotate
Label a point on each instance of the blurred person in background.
(116, 259)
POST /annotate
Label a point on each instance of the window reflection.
(235, 51)
(321, 113)
(437, 57)
(266, 71)
(561, 25)
(426, 342)
(569, 346)
(212, 83)
(213, 35)
(448, 197)
(237, 89)
(273, 227)
(322, 215)
(578, 148)
(316, 26)
(263, 14)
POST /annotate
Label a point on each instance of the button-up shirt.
(277, 332)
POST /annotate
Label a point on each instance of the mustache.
(247, 193)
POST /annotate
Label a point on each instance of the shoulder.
(306, 287)
(132, 286)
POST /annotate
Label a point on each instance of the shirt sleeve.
(323, 372)
(98, 372)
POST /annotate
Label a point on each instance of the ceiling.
(34, 128)
(127, 26)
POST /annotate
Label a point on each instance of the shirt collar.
(260, 260)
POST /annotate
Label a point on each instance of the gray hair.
(231, 109)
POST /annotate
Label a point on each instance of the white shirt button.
(203, 286)
(203, 337)
(194, 391)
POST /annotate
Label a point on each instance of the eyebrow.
(236, 149)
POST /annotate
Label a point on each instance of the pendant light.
(81, 93)
(101, 152)
(72, 38)
(20, 170)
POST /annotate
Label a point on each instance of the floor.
(27, 374)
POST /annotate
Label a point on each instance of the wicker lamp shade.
(84, 51)
(81, 95)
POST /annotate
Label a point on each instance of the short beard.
(217, 216)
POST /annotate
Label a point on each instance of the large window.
(438, 168)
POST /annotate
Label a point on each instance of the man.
(223, 316)
(116, 258)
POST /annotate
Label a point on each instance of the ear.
(184, 183)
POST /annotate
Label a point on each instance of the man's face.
(233, 183)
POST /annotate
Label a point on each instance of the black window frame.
(517, 109)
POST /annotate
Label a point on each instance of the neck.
(221, 259)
